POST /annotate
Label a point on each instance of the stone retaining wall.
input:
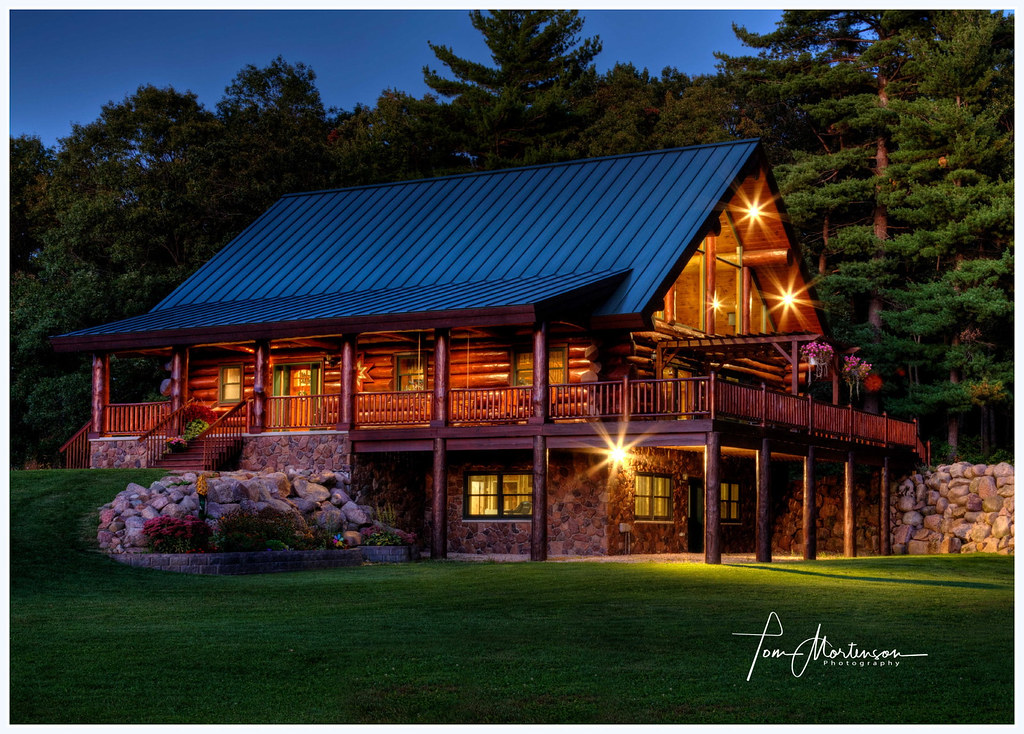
(958, 508)
(298, 451)
(233, 564)
(117, 453)
(787, 525)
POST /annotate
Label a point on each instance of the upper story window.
(230, 384)
(302, 378)
(410, 372)
(558, 367)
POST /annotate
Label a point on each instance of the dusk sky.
(66, 64)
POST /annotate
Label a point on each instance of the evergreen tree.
(522, 109)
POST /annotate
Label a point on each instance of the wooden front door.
(695, 516)
(296, 381)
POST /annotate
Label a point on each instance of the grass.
(93, 641)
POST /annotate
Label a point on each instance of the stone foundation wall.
(295, 451)
(958, 508)
(787, 524)
(399, 480)
(117, 453)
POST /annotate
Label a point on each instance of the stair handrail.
(79, 449)
(154, 442)
(214, 439)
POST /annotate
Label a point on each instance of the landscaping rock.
(355, 514)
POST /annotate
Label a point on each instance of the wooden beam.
(348, 382)
(810, 509)
(849, 509)
(540, 372)
(764, 528)
(261, 385)
(439, 502)
(539, 517)
(884, 535)
(100, 392)
(794, 365)
(179, 377)
(745, 298)
(776, 257)
(710, 260)
(713, 498)
(442, 377)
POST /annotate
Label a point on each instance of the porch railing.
(75, 450)
(132, 419)
(491, 405)
(303, 411)
(403, 408)
(224, 436)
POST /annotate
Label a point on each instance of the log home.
(572, 358)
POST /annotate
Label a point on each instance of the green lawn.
(94, 641)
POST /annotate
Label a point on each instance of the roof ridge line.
(470, 174)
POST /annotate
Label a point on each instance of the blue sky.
(64, 65)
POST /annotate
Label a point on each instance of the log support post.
(810, 530)
(710, 261)
(179, 377)
(849, 509)
(764, 528)
(539, 517)
(745, 289)
(100, 393)
(439, 502)
(442, 377)
(884, 535)
(713, 498)
(260, 385)
(540, 373)
(346, 410)
(794, 360)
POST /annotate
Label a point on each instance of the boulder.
(950, 545)
(339, 497)
(933, 522)
(903, 534)
(355, 514)
(917, 548)
(973, 503)
(979, 531)
(303, 505)
(905, 503)
(310, 490)
(913, 518)
(352, 537)
(215, 509)
(992, 504)
(1001, 527)
(330, 518)
(962, 530)
(986, 487)
(279, 481)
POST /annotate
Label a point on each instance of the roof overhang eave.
(237, 333)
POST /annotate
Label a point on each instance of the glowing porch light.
(617, 454)
(715, 303)
(754, 211)
(788, 299)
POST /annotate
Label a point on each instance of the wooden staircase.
(190, 458)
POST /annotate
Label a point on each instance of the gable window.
(230, 384)
(653, 499)
(410, 372)
(490, 496)
(730, 502)
(558, 367)
(297, 379)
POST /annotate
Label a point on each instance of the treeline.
(891, 133)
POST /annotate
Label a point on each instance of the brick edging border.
(232, 564)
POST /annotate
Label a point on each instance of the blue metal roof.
(438, 244)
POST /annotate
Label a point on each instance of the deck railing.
(303, 411)
(690, 397)
(491, 405)
(133, 419)
(75, 451)
(402, 408)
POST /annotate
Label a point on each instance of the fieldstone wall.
(298, 451)
(958, 508)
(316, 497)
(117, 453)
(397, 479)
(788, 517)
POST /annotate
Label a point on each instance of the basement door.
(695, 516)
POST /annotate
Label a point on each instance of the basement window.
(653, 499)
(495, 496)
(730, 503)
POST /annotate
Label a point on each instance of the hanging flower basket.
(818, 356)
(855, 371)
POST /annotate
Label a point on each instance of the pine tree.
(522, 109)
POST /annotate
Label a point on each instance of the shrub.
(194, 428)
(177, 534)
(245, 530)
(195, 411)
(376, 535)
